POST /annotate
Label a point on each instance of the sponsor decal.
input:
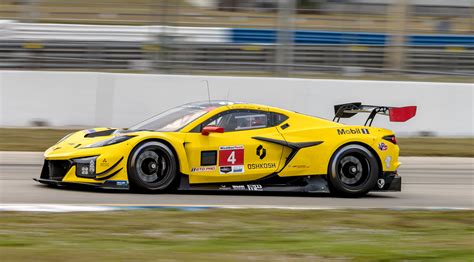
(383, 147)
(231, 169)
(261, 166)
(250, 187)
(381, 183)
(231, 159)
(225, 169)
(104, 163)
(231, 147)
(388, 160)
(224, 187)
(352, 131)
(238, 169)
(261, 152)
(203, 169)
(255, 187)
(300, 166)
(121, 183)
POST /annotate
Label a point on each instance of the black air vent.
(55, 169)
(107, 132)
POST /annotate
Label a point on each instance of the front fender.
(173, 139)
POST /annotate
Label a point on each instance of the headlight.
(85, 167)
(110, 141)
(64, 138)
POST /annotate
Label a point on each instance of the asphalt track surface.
(427, 183)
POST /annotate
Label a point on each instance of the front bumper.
(389, 182)
(64, 172)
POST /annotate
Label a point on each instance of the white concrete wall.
(120, 100)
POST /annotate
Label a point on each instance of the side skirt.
(309, 184)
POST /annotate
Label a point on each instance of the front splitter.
(108, 184)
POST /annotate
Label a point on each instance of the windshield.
(173, 119)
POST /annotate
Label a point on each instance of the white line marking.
(55, 208)
(112, 207)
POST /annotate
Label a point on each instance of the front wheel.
(353, 171)
(152, 167)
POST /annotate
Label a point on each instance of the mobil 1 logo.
(353, 131)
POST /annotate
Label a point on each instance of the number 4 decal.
(231, 158)
(231, 155)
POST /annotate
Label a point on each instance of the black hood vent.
(107, 132)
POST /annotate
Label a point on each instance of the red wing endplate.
(401, 114)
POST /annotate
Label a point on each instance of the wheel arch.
(368, 147)
(167, 143)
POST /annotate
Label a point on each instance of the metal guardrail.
(175, 36)
(222, 57)
(10, 30)
(451, 17)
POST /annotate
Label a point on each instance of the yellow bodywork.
(188, 146)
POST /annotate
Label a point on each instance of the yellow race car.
(221, 145)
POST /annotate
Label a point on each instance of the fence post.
(284, 47)
(161, 38)
(29, 11)
(395, 53)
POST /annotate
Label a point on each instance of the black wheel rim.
(353, 170)
(153, 167)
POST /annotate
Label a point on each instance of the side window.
(215, 121)
(246, 121)
(278, 118)
(238, 120)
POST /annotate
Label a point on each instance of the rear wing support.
(396, 114)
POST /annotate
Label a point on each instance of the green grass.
(39, 139)
(236, 235)
(429, 146)
(30, 139)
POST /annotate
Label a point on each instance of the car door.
(229, 152)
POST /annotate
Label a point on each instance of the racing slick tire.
(152, 167)
(353, 171)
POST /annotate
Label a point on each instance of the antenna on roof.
(208, 91)
(228, 92)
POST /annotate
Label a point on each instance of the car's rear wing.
(396, 114)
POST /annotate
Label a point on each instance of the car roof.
(211, 103)
(214, 104)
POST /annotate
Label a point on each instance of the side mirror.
(211, 129)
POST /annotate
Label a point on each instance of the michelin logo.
(352, 131)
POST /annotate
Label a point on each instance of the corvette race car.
(221, 145)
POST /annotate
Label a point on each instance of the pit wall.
(89, 99)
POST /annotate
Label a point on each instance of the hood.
(86, 137)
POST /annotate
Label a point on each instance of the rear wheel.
(152, 166)
(353, 171)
